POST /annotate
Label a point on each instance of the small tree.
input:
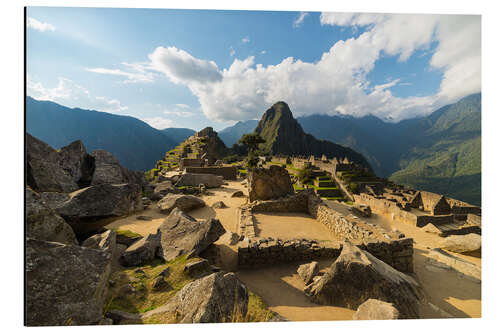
(252, 141)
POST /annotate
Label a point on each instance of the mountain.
(446, 157)
(178, 134)
(136, 144)
(230, 135)
(284, 135)
(439, 153)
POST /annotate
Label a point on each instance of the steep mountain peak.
(284, 135)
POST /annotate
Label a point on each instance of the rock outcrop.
(162, 189)
(185, 203)
(105, 242)
(469, 243)
(87, 209)
(65, 284)
(44, 224)
(44, 172)
(141, 252)
(216, 298)
(109, 171)
(268, 184)
(181, 234)
(374, 309)
(308, 271)
(357, 276)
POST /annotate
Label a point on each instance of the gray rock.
(185, 203)
(65, 284)
(308, 271)
(374, 309)
(462, 243)
(122, 317)
(159, 284)
(195, 179)
(106, 321)
(44, 173)
(181, 234)
(197, 267)
(215, 298)
(267, 184)
(141, 252)
(43, 223)
(84, 208)
(105, 242)
(162, 189)
(357, 276)
(237, 194)
(75, 160)
(219, 205)
(108, 170)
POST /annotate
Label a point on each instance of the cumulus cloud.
(245, 40)
(159, 122)
(181, 67)
(337, 83)
(40, 26)
(263, 52)
(298, 21)
(71, 94)
(232, 52)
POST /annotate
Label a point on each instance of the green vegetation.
(127, 233)
(305, 175)
(251, 142)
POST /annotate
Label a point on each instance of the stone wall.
(389, 246)
(191, 162)
(296, 203)
(270, 251)
(227, 172)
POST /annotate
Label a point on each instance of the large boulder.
(357, 276)
(185, 203)
(75, 160)
(90, 208)
(141, 252)
(216, 298)
(308, 271)
(164, 188)
(469, 243)
(374, 309)
(44, 172)
(65, 284)
(107, 169)
(268, 184)
(196, 179)
(43, 223)
(182, 234)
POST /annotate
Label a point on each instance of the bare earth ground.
(280, 287)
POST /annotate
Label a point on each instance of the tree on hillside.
(252, 141)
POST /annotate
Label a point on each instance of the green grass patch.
(127, 233)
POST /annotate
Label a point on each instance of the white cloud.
(300, 19)
(182, 68)
(138, 76)
(245, 40)
(159, 122)
(37, 25)
(232, 52)
(70, 94)
(263, 52)
(184, 106)
(179, 113)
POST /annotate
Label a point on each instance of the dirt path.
(281, 289)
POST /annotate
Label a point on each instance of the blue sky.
(190, 68)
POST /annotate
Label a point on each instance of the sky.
(198, 68)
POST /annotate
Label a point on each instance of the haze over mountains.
(440, 152)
